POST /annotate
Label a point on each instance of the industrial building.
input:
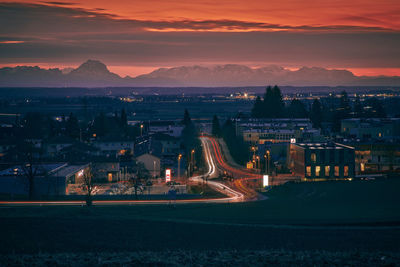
(48, 180)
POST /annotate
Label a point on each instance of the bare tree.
(30, 172)
(87, 186)
(138, 180)
(29, 165)
(136, 184)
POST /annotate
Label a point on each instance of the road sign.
(168, 175)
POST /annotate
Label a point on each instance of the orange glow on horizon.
(133, 71)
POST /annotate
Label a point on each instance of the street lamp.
(179, 165)
(253, 148)
(154, 169)
(258, 163)
(192, 160)
(141, 129)
(265, 163)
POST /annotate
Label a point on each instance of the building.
(106, 171)
(171, 128)
(165, 144)
(49, 179)
(376, 157)
(371, 128)
(321, 160)
(114, 147)
(260, 131)
(53, 146)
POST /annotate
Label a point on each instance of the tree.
(186, 118)
(344, 108)
(100, 125)
(268, 104)
(236, 145)
(27, 155)
(123, 119)
(257, 110)
(358, 108)
(87, 186)
(374, 108)
(296, 109)
(278, 103)
(272, 106)
(72, 127)
(342, 112)
(30, 171)
(191, 142)
(216, 129)
(316, 113)
(137, 180)
(34, 125)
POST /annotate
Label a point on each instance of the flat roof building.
(321, 160)
(49, 179)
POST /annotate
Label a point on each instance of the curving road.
(242, 176)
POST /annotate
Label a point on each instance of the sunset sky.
(135, 37)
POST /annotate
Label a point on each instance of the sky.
(135, 37)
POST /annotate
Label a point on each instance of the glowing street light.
(267, 158)
(179, 165)
(141, 129)
(192, 160)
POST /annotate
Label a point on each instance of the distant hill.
(94, 73)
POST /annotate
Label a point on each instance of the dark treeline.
(237, 147)
(191, 143)
(38, 125)
(327, 110)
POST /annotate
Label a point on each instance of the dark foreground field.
(332, 223)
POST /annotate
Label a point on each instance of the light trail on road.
(222, 188)
(249, 193)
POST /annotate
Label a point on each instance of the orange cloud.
(12, 42)
(360, 13)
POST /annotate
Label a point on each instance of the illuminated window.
(313, 157)
(308, 169)
(362, 167)
(327, 170)
(317, 170)
(110, 178)
(346, 171)
(336, 171)
(380, 134)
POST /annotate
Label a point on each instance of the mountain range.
(94, 73)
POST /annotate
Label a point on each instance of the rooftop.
(329, 145)
(39, 169)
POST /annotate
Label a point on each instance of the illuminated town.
(197, 135)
